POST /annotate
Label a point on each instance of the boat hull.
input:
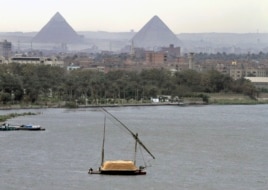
(31, 129)
(117, 172)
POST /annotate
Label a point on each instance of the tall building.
(191, 63)
(5, 49)
(155, 58)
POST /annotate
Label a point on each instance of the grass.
(3, 118)
(226, 98)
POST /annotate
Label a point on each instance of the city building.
(5, 49)
(172, 52)
(163, 55)
(36, 60)
(259, 82)
(239, 70)
(152, 57)
(73, 67)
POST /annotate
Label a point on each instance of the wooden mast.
(103, 142)
(136, 142)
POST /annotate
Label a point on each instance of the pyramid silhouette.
(155, 34)
(57, 30)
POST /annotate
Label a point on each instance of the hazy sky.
(181, 16)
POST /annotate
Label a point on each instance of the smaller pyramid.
(57, 30)
(155, 34)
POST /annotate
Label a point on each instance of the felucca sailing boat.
(120, 167)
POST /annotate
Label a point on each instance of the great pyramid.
(57, 30)
(155, 34)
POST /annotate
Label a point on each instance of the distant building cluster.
(6, 57)
(154, 46)
(235, 70)
(166, 57)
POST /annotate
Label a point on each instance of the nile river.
(196, 148)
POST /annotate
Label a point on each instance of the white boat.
(28, 127)
(31, 127)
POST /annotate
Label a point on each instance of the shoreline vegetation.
(28, 86)
(211, 99)
(4, 118)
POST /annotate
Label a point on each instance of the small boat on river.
(120, 167)
(29, 127)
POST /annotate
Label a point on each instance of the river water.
(196, 147)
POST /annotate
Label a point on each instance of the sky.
(181, 16)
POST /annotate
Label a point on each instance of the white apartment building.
(36, 60)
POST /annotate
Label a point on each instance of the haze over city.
(184, 16)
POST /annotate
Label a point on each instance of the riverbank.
(214, 99)
(226, 99)
(3, 118)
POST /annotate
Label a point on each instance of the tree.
(214, 81)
